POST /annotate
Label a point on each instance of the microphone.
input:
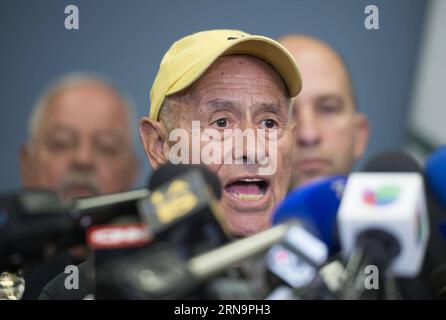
(160, 273)
(393, 161)
(315, 205)
(106, 208)
(182, 219)
(436, 179)
(435, 168)
(33, 219)
(443, 229)
(169, 171)
(436, 174)
(36, 223)
(108, 242)
(383, 220)
(30, 221)
(183, 209)
(297, 262)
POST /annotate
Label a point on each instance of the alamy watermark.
(370, 277)
(371, 21)
(228, 146)
(72, 279)
(72, 19)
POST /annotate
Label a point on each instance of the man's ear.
(362, 135)
(26, 170)
(155, 140)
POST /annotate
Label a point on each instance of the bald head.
(330, 133)
(315, 56)
(83, 91)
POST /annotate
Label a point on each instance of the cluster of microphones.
(379, 233)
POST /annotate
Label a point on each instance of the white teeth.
(251, 180)
(249, 197)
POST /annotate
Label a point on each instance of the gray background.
(126, 40)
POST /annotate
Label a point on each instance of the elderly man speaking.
(222, 82)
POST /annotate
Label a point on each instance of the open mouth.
(248, 189)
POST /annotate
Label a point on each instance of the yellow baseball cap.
(188, 58)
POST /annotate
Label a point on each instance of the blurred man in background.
(80, 140)
(331, 134)
(80, 144)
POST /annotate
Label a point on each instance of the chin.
(242, 224)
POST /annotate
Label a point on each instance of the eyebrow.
(331, 96)
(109, 133)
(229, 105)
(60, 128)
(269, 107)
(220, 104)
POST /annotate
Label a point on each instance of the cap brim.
(257, 46)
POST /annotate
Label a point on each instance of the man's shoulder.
(73, 284)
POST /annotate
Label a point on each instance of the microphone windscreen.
(443, 229)
(436, 174)
(393, 161)
(169, 171)
(315, 205)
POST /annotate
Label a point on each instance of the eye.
(108, 150)
(269, 123)
(221, 123)
(329, 108)
(108, 146)
(57, 144)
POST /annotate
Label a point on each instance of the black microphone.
(169, 171)
(107, 208)
(36, 223)
(296, 262)
(109, 243)
(393, 161)
(184, 209)
(181, 213)
(31, 221)
(160, 273)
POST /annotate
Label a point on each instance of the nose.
(83, 158)
(247, 152)
(308, 130)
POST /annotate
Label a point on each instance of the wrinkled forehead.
(86, 108)
(239, 77)
(232, 68)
